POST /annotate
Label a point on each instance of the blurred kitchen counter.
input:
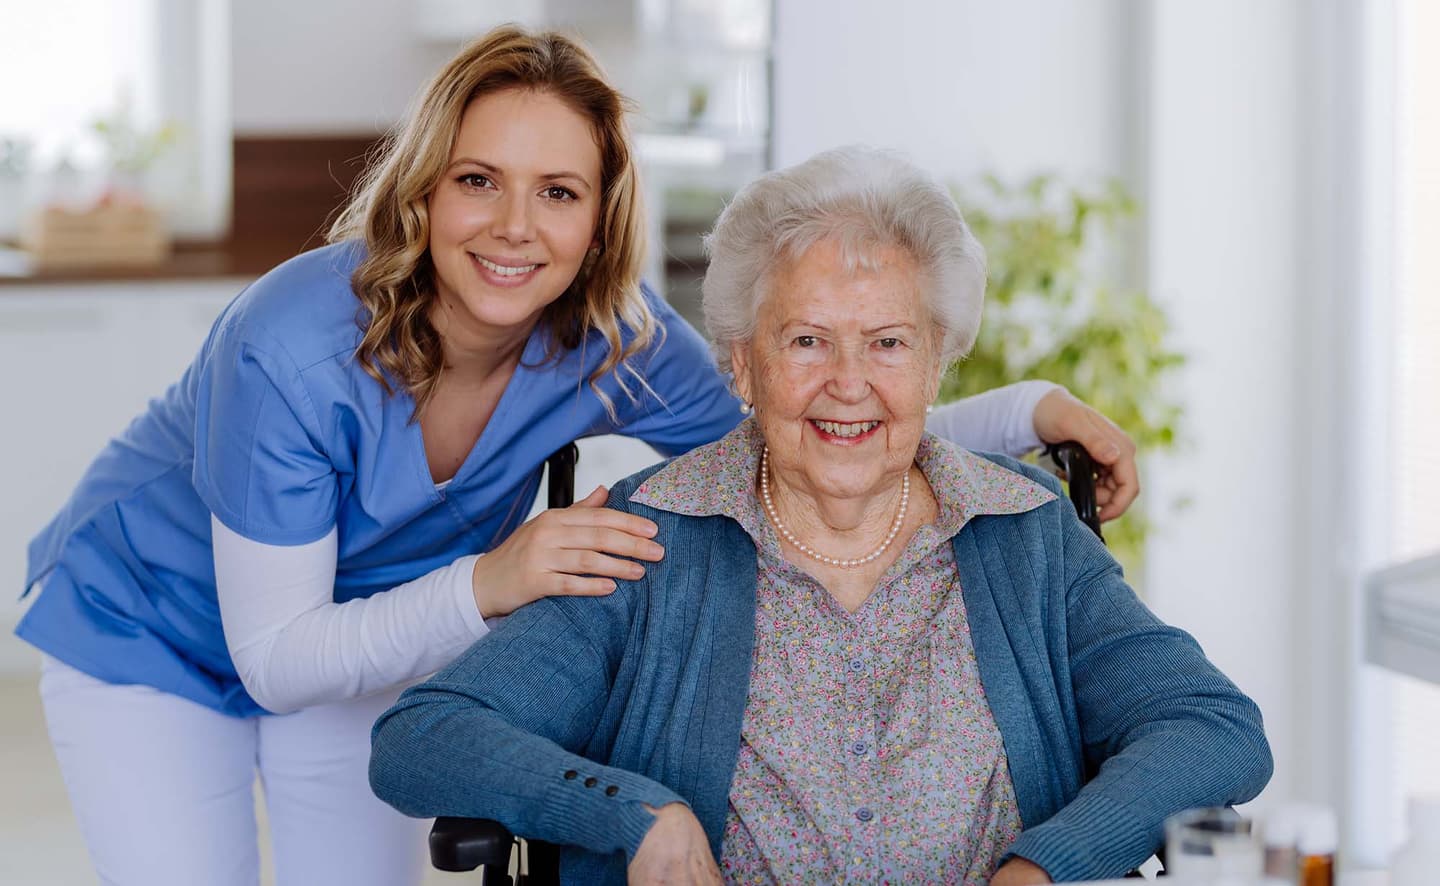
(287, 188)
(188, 261)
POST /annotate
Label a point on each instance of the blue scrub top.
(280, 433)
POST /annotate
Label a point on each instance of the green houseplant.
(131, 150)
(1051, 312)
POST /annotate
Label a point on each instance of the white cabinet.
(78, 362)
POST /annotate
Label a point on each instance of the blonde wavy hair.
(395, 282)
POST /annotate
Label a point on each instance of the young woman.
(329, 504)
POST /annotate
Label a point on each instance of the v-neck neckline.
(438, 491)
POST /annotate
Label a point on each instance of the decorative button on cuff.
(611, 791)
(591, 782)
(571, 775)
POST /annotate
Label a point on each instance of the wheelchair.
(465, 844)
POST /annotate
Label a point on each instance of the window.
(71, 62)
(1398, 716)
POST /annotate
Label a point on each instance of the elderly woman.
(870, 656)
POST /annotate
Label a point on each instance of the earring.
(929, 408)
(745, 407)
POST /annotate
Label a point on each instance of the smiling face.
(513, 214)
(840, 369)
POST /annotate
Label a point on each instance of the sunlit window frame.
(191, 89)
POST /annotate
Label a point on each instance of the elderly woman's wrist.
(1019, 871)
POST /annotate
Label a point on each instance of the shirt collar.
(719, 480)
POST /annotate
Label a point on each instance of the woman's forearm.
(294, 646)
(441, 753)
(1166, 728)
(1116, 821)
(1001, 420)
(496, 735)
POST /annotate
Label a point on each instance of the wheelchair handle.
(1079, 470)
(561, 493)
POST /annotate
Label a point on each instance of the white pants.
(162, 789)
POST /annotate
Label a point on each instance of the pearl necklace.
(811, 552)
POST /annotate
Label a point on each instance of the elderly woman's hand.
(674, 851)
(1060, 417)
(1019, 872)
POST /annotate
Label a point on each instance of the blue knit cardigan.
(577, 711)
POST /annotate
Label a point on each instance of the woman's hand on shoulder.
(1059, 416)
(574, 551)
(674, 851)
(1020, 872)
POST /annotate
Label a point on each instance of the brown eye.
(806, 341)
(889, 343)
(474, 180)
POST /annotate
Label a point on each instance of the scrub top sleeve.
(260, 462)
(688, 403)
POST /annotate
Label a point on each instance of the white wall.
(963, 86)
(326, 66)
(1225, 132)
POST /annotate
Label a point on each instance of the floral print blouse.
(868, 753)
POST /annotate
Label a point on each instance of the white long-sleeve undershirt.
(1002, 420)
(294, 646)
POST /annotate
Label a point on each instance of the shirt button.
(857, 666)
(858, 748)
(864, 814)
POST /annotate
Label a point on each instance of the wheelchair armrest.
(464, 844)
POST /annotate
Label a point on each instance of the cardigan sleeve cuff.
(1092, 838)
(603, 808)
